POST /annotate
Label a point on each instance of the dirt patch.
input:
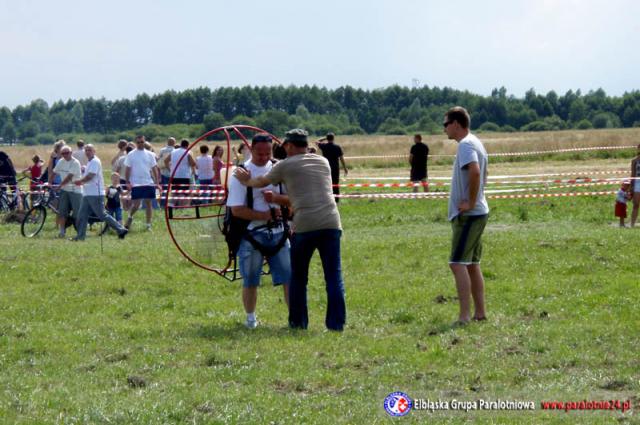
(136, 381)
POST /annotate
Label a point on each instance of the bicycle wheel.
(33, 221)
(4, 203)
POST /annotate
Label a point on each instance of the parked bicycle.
(18, 200)
(34, 219)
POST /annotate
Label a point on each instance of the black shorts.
(180, 184)
(143, 192)
(418, 175)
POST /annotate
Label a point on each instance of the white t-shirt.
(238, 192)
(470, 149)
(95, 186)
(141, 162)
(164, 153)
(63, 168)
(118, 166)
(184, 169)
(204, 164)
(80, 156)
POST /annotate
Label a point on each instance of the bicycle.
(16, 201)
(34, 219)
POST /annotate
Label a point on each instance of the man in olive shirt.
(316, 224)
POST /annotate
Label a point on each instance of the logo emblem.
(398, 404)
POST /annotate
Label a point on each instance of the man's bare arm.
(244, 177)
(247, 213)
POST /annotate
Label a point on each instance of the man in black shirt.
(333, 153)
(418, 161)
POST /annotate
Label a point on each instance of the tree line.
(345, 110)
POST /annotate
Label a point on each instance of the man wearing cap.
(264, 232)
(93, 197)
(333, 153)
(468, 213)
(69, 170)
(316, 224)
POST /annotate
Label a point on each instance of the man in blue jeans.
(316, 224)
(265, 236)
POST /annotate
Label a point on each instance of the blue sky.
(117, 49)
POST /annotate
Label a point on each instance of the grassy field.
(130, 332)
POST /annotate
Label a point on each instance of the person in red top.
(34, 172)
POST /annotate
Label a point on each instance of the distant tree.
(605, 120)
(61, 122)
(45, 139)
(392, 126)
(121, 115)
(352, 130)
(489, 126)
(9, 133)
(164, 108)
(5, 116)
(243, 119)
(536, 126)
(95, 116)
(303, 112)
(275, 122)
(28, 129)
(584, 124)
(213, 120)
(578, 110)
(142, 109)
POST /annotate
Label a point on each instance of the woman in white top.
(204, 165)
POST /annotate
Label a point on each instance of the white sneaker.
(148, 227)
(251, 324)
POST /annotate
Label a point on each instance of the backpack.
(234, 230)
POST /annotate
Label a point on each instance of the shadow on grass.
(237, 331)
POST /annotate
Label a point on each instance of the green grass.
(135, 334)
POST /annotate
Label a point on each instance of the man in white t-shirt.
(265, 236)
(93, 197)
(468, 213)
(165, 172)
(181, 170)
(69, 170)
(142, 178)
(79, 154)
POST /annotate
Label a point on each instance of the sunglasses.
(446, 124)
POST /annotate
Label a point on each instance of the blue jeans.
(251, 260)
(164, 181)
(327, 242)
(205, 184)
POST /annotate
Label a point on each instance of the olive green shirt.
(308, 181)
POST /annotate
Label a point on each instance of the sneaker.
(122, 234)
(128, 224)
(251, 324)
(148, 227)
(61, 236)
(75, 239)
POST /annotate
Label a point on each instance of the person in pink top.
(218, 163)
